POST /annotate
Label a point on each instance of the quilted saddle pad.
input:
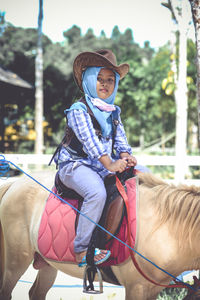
(57, 229)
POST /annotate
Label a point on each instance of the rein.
(122, 191)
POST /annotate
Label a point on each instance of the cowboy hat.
(101, 58)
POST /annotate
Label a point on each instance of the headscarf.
(89, 84)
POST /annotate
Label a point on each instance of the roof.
(12, 78)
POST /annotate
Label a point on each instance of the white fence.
(25, 160)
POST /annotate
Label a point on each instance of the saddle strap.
(122, 191)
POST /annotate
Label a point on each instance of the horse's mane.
(177, 205)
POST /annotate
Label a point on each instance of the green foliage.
(145, 106)
(147, 112)
(72, 34)
(192, 98)
(175, 294)
(115, 34)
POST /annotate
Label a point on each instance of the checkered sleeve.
(121, 143)
(81, 123)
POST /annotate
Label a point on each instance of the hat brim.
(92, 59)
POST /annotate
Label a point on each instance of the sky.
(148, 19)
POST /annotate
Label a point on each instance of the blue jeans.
(90, 186)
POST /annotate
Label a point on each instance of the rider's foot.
(80, 256)
(99, 257)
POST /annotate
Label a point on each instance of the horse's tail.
(3, 189)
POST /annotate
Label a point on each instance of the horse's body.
(168, 235)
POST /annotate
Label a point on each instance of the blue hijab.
(89, 85)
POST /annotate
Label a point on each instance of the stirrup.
(89, 275)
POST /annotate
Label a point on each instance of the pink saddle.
(57, 229)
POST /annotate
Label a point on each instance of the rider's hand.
(117, 166)
(113, 166)
(131, 160)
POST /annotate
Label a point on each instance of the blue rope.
(5, 162)
(4, 167)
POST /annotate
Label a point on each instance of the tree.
(148, 113)
(180, 14)
(193, 138)
(115, 33)
(39, 143)
(128, 36)
(195, 6)
(102, 34)
(72, 34)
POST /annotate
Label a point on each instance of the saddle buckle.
(89, 276)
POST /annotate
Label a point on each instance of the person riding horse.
(95, 144)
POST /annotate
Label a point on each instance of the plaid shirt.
(81, 123)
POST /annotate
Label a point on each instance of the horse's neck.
(160, 241)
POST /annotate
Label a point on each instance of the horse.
(168, 235)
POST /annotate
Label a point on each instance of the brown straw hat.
(101, 58)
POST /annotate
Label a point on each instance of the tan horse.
(168, 235)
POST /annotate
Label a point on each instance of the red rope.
(125, 197)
